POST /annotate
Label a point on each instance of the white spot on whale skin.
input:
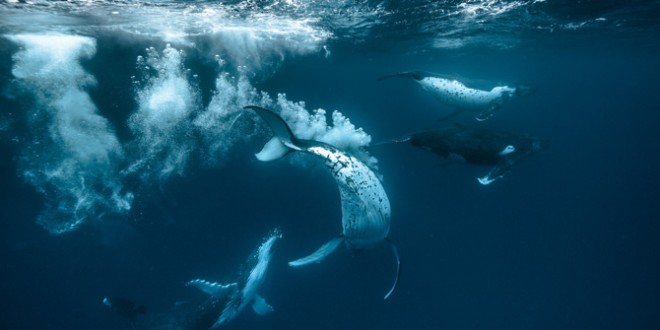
(507, 150)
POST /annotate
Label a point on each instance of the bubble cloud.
(161, 124)
(313, 125)
(220, 125)
(71, 154)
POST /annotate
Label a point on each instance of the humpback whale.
(455, 94)
(239, 299)
(477, 146)
(364, 203)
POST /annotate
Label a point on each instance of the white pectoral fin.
(273, 149)
(260, 306)
(318, 255)
(216, 290)
(395, 251)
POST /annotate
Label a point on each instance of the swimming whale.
(456, 94)
(239, 299)
(364, 203)
(478, 146)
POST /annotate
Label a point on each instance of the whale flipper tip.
(318, 255)
(395, 251)
(260, 306)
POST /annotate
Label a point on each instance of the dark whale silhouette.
(478, 146)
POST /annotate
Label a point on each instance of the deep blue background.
(567, 240)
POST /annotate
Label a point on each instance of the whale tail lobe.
(283, 140)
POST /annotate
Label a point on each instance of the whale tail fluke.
(283, 140)
(417, 75)
(318, 255)
(395, 251)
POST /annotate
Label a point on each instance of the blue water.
(128, 171)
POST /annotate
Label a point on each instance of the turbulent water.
(127, 161)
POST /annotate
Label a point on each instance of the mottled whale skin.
(478, 146)
(456, 94)
(239, 299)
(364, 203)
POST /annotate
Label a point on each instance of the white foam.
(161, 124)
(220, 123)
(313, 125)
(73, 153)
(75, 163)
(254, 38)
(490, 7)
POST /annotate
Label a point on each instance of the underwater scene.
(318, 164)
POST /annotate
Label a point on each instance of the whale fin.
(216, 290)
(283, 141)
(272, 150)
(260, 306)
(318, 255)
(395, 251)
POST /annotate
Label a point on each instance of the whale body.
(477, 146)
(365, 205)
(456, 94)
(247, 295)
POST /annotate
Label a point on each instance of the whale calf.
(456, 94)
(241, 298)
(364, 203)
(477, 146)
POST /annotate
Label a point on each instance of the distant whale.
(477, 146)
(454, 93)
(239, 299)
(365, 206)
